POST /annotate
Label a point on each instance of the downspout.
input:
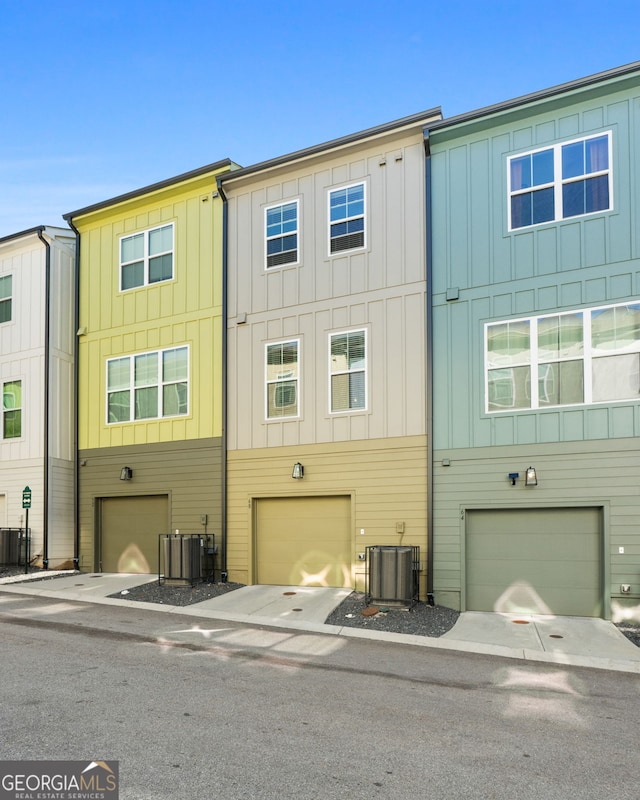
(429, 365)
(225, 313)
(76, 323)
(47, 351)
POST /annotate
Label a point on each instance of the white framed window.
(12, 410)
(6, 291)
(281, 234)
(348, 371)
(347, 218)
(282, 379)
(148, 385)
(146, 257)
(568, 179)
(566, 359)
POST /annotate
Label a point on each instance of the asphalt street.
(201, 709)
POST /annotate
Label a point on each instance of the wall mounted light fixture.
(298, 471)
(126, 473)
(530, 478)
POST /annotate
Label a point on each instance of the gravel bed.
(422, 620)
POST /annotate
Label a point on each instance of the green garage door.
(129, 530)
(537, 561)
(304, 541)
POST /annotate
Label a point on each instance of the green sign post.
(26, 504)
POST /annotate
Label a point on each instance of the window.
(348, 371)
(148, 385)
(346, 218)
(281, 225)
(146, 257)
(5, 298)
(573, 358)
(12, 410)
(559, 182)
(282, 377)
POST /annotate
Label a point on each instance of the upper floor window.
(559, 182)
(281, 236)
(12, 410)
(148, 385)
(346, 218)
(282, 379)
(348, 370)
(573, 358)
(5, 297)
(146, 257)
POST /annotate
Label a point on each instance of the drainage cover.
(287, 594)
(520, 621)
(297, 609)
(369, 612)
(555, 636)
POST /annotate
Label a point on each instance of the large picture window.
(281, 234)
(12, 410)
(282, 379)
(6, 282)
(148, 385)
(347, 218)
(146, 257)
(348, 371)
(566, 180)
(573, 358)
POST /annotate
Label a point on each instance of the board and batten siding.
(380, 288)
(186, 310)
(189, 473)
(385, 479)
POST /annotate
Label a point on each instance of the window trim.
(364, 244)
(559, 181)
(267, 238)
(8, 299)
(146, 257)
(365, 370)
(587, 358)
(298, 379)
(4, 438)
(160, 384)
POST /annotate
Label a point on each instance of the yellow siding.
(184, 311)
(386, 480)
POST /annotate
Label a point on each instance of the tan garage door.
(538, 561)
(304, 541)
(129, 531)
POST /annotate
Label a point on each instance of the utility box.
(181, 555)
(392, 575)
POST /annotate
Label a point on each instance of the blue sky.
(100, 98)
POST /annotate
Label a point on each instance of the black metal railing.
(15, 547)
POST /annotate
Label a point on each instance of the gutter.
(76, 323)
(225, 314)
(429, 363)
(47, 381)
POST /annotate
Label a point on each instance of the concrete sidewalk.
(576, 641)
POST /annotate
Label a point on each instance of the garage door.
(539, 561)
(129, 528)
(304, 541)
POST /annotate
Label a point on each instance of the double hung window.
(12, 410)
(282, 379)
(6, 282)
(148, 385)
(348, 371)
(281, 234)
(146, 257)
(347, 218)
(573, 358)
(559, 182)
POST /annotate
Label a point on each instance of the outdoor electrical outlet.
(621, 550)
(625, 588)
(361, 556)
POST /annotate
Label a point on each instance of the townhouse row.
(426, 333)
